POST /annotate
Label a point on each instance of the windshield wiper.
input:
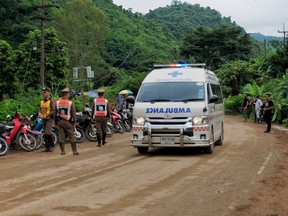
(190, 99)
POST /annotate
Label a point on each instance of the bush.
(233, 105)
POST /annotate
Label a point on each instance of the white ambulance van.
(178, 105)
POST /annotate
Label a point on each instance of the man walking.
(268, 112)
(100, 113)
(46, 113)
(66, 115)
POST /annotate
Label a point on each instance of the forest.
(120, 47)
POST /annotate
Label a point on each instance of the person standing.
(258, 104)
(268, 112)
(245, 106)
(100, 113)
(46, 113)
(66, 121)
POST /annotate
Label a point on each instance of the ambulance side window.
(208, 91)
(216, 90)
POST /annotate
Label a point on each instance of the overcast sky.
(264, 16)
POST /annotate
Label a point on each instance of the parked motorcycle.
(116, 121)
(4, 147)
(36, 125)
(84, 120)
(38, 135)
(16, 134)
(126, 117)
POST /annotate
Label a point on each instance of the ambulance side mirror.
(213, 99)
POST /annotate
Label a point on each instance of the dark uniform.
(100, 113)
(66, 118)
(46, 113)
(268, 112)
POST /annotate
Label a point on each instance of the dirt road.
(246, 176)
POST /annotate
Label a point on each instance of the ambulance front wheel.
(210, 149)
(142, 150)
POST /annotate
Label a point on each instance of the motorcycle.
(126, 117)
(116, 121)
(84, 120)
(38, 135)
(35, 124)
(15, 133)
(4, 147)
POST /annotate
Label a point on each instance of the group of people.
(63, 113)
(263, 110)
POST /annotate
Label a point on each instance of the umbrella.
(124, 92)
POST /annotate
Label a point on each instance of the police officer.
(66, 118)
(46, 113)
(100, 113)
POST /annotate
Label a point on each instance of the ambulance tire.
(210, 149)
(219, 142)
(142, 150)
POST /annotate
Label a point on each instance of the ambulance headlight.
(139, 120)
(200, 120)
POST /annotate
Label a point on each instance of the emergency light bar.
(179, 65)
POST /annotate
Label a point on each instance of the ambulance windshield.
(171, 91)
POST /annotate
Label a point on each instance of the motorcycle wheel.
(90, 133)
(39, 140)
(27, 142)
(119, 127)
(4, 147)
(79, 135)
(54, 138)
(127, 126)
(109, 131)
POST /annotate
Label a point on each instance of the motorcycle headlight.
(138, 120)
(200, 120)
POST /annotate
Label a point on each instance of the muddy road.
(248, 175)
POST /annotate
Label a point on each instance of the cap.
(100, 91)
(65, 90)
(44, 89)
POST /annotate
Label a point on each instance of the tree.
(234, 76)
(26, 65)
(6, 79)
(218, 46)
(16, 20)
(83, 27)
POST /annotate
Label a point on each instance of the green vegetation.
(121, 47)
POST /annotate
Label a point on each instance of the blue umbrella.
(123, 92)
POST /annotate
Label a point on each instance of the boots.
(74, 148)
(99, 139)
(51, 143)
(47, 144)
(62, 147)
(103, 138)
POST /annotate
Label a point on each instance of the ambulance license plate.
(167, 140)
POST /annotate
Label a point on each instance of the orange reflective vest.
(64, 108)
(101, 105)
(45, 109)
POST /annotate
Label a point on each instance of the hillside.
(182, 18)
(261, 37)
(134, 41)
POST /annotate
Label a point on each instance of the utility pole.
(42, 19)
(284, 33)
(42, 56)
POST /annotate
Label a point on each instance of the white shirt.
(258, 104)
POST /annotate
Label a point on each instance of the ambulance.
(178, 105)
